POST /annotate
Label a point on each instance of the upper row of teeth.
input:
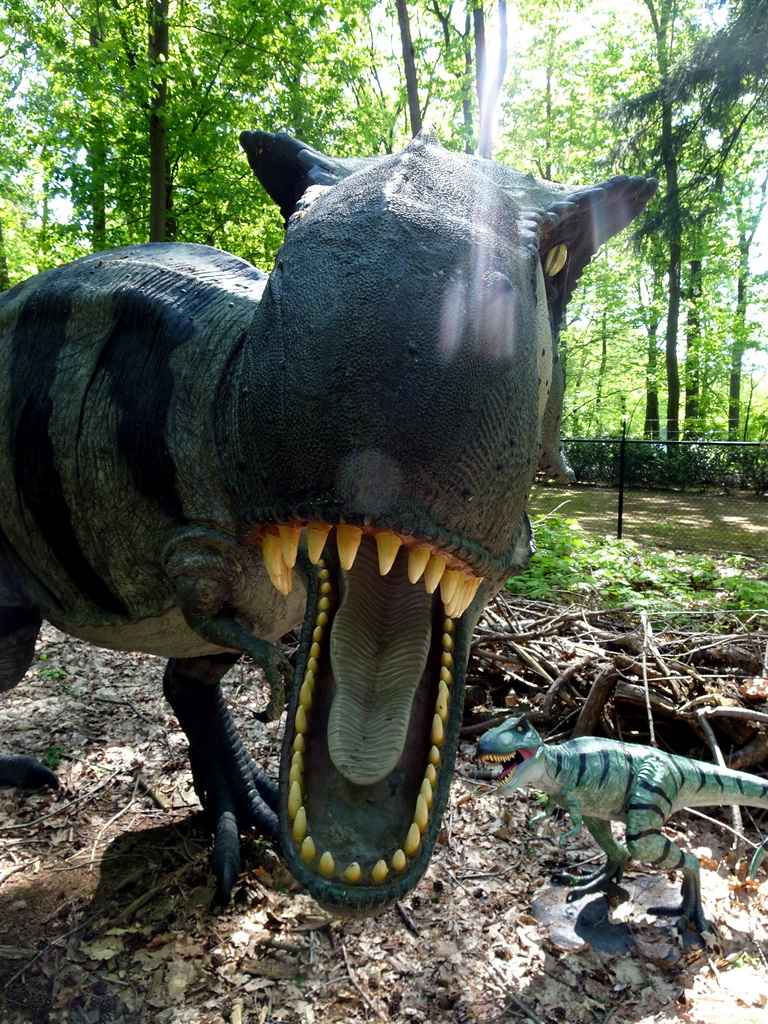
(280, 546)
(496, 758)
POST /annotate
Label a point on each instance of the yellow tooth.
(348, 541)
(322, 619)
(299, 745)
(297, 761)
(446, 659)
(305, 694)
(325, 588)
(388, 545)
(301, 722)
(430, 775)
(324, 603)
(412, 840)
(441, 705)
(314, 650)
(278, 571)
(445, 675)
(448, 626)
(417, 563)
(300, 825)
(326, 865)
(295, 775)
(353, 872)
(450, 580)
(398, 861)
(464, 596)
(317, 534)
(555, 259)
(421, 815)
(437, 734)
(308, 850)
(434, 572)
(379, 871)
(324, 574)
(317, 634)
(311, 666)
(434, 757)
(426, 789)
(289, 542)
(295, 800)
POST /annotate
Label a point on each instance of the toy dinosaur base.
(587, 921)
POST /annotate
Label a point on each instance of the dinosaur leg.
(19, 628)
(605, 880)
(235, 793)
(646, 843)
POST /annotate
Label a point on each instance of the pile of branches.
(691, 684)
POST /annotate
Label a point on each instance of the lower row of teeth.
(397, 861)
(280, 544)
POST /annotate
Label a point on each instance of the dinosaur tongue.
(378, 647)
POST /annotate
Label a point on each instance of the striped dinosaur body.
(197, 457)
(599, 781)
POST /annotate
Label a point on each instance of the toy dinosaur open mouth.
(509, 762)
(367, 757)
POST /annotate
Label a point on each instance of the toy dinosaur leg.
(646, 842)
(235, 793)
(606, 879)
(19, 628)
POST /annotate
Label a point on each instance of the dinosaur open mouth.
(509, 762)
(366, 753)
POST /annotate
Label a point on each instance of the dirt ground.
(105, 895)
(687, 520)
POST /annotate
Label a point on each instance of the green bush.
(571, 565)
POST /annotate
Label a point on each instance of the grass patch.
(573, 565)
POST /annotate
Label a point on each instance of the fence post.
(622, 468)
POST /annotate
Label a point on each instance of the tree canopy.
(119, 122)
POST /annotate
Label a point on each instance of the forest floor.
(734, 523)
(105, 897)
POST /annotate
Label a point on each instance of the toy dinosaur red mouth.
(509, 762)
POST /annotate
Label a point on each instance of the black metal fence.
(694, 495)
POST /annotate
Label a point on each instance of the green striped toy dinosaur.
(599, 781)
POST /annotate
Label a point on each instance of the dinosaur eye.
(555, 259)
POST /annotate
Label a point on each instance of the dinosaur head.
(383, 441)
(516, 747)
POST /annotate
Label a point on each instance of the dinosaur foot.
(22, 770)
(614, 893)
(689, 918)
(235, 793)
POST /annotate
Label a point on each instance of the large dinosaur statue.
(599, 781)
(196, 457)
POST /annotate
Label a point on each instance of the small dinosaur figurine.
(599, 781)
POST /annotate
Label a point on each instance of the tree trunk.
(97, 158)
(670, 343)
(651, 428)
(693, 354)
(411, 82)
(737, 355)
(159, 186)
(5, 277)
(660, 18)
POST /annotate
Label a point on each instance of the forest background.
(119, 122)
